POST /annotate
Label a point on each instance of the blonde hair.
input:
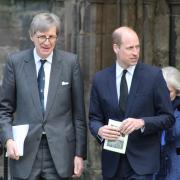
(172, 77)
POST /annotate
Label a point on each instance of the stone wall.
(86, 30)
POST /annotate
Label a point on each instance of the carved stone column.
(174, 41)
(160, 34)
(98, 18)
(147, 31)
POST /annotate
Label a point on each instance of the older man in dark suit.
(43, 86)
(137, 95)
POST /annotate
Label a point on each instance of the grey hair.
(172, 77)
(43, 21)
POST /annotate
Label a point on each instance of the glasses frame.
(43, 38)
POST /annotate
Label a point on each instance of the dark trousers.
(43, 167)
(125, 172)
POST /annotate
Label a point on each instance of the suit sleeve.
(164, 117)
(96, 118)
(79, 111)
(177, 128)
(7, 102)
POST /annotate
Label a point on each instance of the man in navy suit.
(147, 111)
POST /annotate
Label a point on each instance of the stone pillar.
(147, 31)
(98, 18)
(130, 13)
(174, 41)
(155, 44)
(160, 37)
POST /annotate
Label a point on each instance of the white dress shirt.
(129, 76)
(47, 70)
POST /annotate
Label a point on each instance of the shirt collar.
(119, 69)
(37, 58)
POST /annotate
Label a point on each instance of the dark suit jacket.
(176, 127)
(148, 99)
(64, 119)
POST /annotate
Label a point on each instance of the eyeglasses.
(43, 39)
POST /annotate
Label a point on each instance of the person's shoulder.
(20, 53)
(104, 71)
(64, 54)
(18, 56)
(65, 57)
(148, 67)
(149, 70)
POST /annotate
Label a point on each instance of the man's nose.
(47, 41)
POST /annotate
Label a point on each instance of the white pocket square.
(64, 83)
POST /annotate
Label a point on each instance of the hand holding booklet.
(19, 135)
(118, 145)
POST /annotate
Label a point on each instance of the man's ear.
(115, 48)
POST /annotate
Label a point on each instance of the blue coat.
(148, 99)
(176, 106)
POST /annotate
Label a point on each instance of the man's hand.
(12, 150)
(78, 166)
(109, 132)
(131, 124)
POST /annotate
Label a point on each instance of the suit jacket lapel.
(134, 86)
(31, 78)
(112, 87)
(54, 81)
